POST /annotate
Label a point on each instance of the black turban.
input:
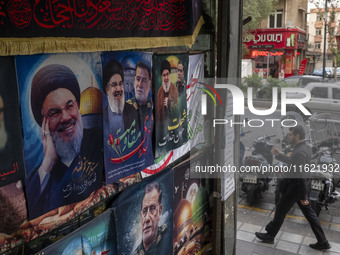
(111, 68)
(165, 66)
(46, 80)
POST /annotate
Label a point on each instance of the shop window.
(336, 93)
(275, 19)
(320, 92)
(318, 31)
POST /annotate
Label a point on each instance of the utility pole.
(324, 45)
(268, 55)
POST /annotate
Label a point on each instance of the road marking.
(253, 208)
(288, 215)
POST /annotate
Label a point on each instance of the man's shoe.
(320, 246)
(265, 237)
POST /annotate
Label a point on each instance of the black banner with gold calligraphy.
(98, 18)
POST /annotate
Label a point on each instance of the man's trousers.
(286, 202)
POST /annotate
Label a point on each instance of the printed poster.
(13, 212)
(95, 238)
(127, 113)
(170, 76)
(61, 106)
(11, 151)
(192, 213)
(143, 215)
(195, 120)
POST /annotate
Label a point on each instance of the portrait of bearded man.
(167, 103)
(69, 148)
(120, 119)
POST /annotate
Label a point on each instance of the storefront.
(278, 52)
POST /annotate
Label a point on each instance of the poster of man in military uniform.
(143, 216)
(127, 113)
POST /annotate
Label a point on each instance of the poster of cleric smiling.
(61, 105)
(170, 75)
(143, 216)
(127, 113)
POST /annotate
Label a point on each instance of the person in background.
(295, 190)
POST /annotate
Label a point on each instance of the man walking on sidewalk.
(295, 190)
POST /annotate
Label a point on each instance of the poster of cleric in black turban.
(127, 113)
(61, 105)
(143, 216)
(95, 237)
(11, 154)
(170, 75)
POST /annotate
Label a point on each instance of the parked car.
(302, 80)
(329, 72)
(325, 98)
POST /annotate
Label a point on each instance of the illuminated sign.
(267, 38)
(263, 38)
(258, 53)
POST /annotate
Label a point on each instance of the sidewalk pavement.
(294, 237)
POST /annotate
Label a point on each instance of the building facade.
(316, 31)
(279, 45)
(338, 38)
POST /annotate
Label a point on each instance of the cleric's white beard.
(68, 150)
(115, 106)
(166, 86)
(3, 135)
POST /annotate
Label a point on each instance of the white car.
(325, 98)
(302, 80)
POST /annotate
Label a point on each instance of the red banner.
(302, 67)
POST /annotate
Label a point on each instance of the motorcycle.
(323, 190)
(261, 156)
(325, 145)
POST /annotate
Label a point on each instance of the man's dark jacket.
(296, 179)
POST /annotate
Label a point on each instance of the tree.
(331, 25)
(257, 10)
